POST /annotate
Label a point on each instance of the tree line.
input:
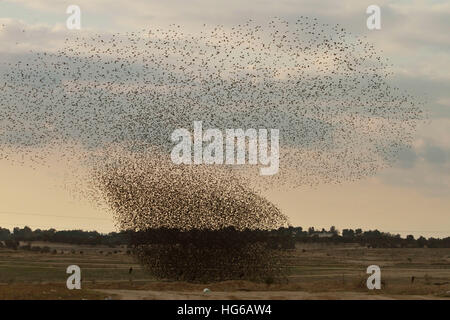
(281, 238)
(80, 237)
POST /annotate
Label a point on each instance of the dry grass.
(50, 291)
(314, 271)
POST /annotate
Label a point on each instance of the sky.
(411, 197)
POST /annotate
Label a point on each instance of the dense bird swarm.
(191, 223)
(112, 100)
(204, 255)
(150, 192)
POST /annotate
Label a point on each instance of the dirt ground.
(257, 295)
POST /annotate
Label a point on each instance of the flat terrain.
(315, 272)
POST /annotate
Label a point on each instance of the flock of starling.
(112, 101)
(202, 255)
(147, 192)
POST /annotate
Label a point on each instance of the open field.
(315, 272)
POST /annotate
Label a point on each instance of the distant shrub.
(45, 249)
(12, 244)
(269, 280)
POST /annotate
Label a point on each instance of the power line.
(49, 227)
(105, 219)
(441, 231)
(50, 215)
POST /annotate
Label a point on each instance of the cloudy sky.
(412, 197)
